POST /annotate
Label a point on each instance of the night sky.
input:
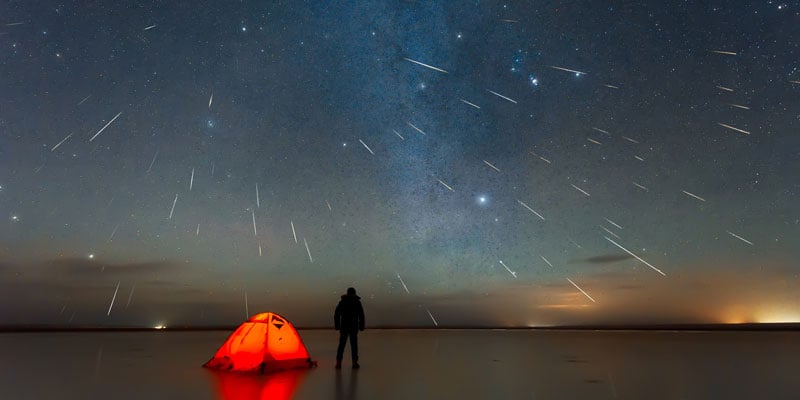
(459, 163)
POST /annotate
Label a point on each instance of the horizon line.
(746, 326)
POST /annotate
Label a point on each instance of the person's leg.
(340, 349)
(354, 346)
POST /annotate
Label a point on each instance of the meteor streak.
(255, 231)
(491, 166)
(514, 274)
(740, 238)
(609, 232)
(547, 261)
(579, 288)
(501, 96)
(173, 206)
(112, 300)
(530, 209)
(415, 128)
(106, 126)
(152, 162)
(612, 223)
(733, 127)
(568, 70)
(630, 140)
(308, 251)
(425, 65)
(61, 142)
(635, 256)
(471, 104)
(581, 190)
(431, 315)
(294, 235)
(403, 283)
(445, 185)
(540, 157)
(130, 295)
(727, 53)
(366, 147)
(694, 195)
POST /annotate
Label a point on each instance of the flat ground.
(414, 364)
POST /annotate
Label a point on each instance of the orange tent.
(266, 342)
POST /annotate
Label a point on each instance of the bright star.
(533, 80)
(14, 218)
(458, 36)
(483, 200)
(344, 144)
(244, 29)
(91, 256)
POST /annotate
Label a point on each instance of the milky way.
(220, 157)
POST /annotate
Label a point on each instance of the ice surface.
(413, 364)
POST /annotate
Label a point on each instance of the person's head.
(351, 291)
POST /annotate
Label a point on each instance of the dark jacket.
(349, 314)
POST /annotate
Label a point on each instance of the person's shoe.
(338, 365)
(356, 366)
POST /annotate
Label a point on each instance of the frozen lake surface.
(413, 364)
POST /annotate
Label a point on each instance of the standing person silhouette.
(348, 319)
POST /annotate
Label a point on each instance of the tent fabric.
(266, 342)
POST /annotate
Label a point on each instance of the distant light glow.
(781, 316)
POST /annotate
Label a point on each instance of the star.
(91, 256)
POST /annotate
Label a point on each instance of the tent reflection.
(275, 386)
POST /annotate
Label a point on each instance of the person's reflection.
(348, 393)
(277, 386)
